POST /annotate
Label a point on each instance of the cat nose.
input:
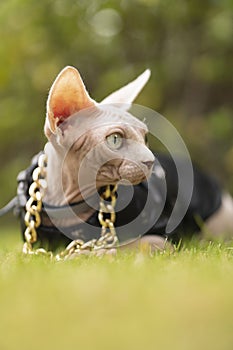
(149, 164)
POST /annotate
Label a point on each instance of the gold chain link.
(33, 207)
(32, 219)
(108, 238)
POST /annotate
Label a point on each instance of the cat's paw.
(150, 244)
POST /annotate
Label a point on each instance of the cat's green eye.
(114, 141)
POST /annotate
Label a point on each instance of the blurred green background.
(186, 44)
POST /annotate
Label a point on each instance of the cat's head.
(102, 137)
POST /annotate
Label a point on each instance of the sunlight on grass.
(181, 300)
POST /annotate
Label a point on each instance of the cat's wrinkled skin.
(79, 159)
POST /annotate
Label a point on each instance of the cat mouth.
(125, 174)
(134, 175)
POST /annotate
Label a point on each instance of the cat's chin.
(134, 177)
(132, 180)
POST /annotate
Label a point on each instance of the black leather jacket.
(146, 209)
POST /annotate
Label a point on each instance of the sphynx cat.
(91, 145)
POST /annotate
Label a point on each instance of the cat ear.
(124, 97)
(67, 96)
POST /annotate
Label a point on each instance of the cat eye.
(114, 141)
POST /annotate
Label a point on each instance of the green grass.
(169, 301)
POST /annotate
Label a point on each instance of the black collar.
(68, 211)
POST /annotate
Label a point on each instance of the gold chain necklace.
(108, 238)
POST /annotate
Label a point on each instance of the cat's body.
(92, 145)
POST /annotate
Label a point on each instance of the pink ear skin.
(67, 96)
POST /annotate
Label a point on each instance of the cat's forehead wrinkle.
(116, 114)
(93, 118)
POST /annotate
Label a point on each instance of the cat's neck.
(62, 180)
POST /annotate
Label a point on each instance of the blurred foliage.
(186, 44)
